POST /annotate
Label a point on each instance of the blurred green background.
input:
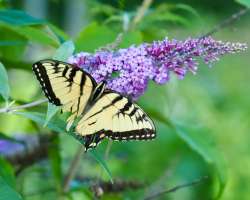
(203, 121)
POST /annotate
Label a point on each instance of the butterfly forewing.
(65, 84)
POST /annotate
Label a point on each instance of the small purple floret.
(137, 65)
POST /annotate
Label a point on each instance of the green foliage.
(130, 38)
(56, 162)
(51, 111)
(7, 173)
(7, 182)
(103, 164)
(244, 2)
(8, 38)
(54, 124)
(94, 36)
(37, 34)
(196, 138)
(199, 141)
(64, 51)
(6, 192)
(4, 83)
(17, 17)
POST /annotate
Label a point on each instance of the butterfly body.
(101, 112)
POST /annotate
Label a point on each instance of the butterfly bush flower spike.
(137, 65)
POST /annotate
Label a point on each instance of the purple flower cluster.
(18, 145)
(137, 65)
(8, 148)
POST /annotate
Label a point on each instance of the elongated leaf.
(52, 110)
(11, 52)
(56, 124)
(12, 43)
(64, 51)
(7, 192)
(37, 34)
(94, 36)
(7, 172)
(244, 2)
(102, 162)
(18, 17)
(4, 83)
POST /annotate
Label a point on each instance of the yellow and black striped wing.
(116, 117)
(65, 85)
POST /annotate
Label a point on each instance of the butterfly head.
(99, 90)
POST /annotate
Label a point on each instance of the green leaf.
(12, 43)
(169, 17)
(199, 141)
(93, 37)
(7, 172)
(37, 34)
(52, 110)
(10, 52)
(64, 51)
(4, 83)
(244, 2)
(115, 74)
(7, 192)
(55, 124)
(187, 8)
(61, 35)
(103, 164)
(130, 38)
(55, 162)
(98, 8)
(113, 19)
(17, 17)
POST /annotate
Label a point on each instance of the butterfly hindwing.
(116, 117)
(66, 85)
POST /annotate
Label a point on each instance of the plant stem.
(72, 169)
(174, 189)
(28, 105)
(226, 22)
(141, 12)
(113, 45)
